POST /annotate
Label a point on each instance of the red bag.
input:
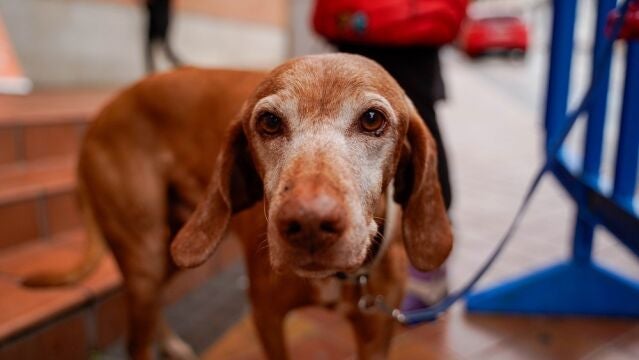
(389, 22)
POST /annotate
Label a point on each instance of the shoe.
(424, 289)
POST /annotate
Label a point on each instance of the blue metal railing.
(579, 285)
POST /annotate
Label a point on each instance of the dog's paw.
(174, 348)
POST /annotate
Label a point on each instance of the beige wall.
(95, 43)
(271, 12)
(302, 39)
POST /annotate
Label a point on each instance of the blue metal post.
(628, 146)
(579, 286)
(597, 110)
(600, 77)
(560, 64)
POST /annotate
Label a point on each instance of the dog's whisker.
(262, 247)
(263, 236)
(265, 214)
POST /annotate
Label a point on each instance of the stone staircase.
(40, 229)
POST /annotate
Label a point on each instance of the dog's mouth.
(320, 253)
(316, 269)
(372, 253)
(313, 266)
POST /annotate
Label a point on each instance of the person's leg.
(167, 17)
(427, 288)
(170, 54)
(159, 15)
(148, 56)
(427, 112)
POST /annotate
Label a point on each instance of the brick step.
(37, 201)
(23, 309)
(40, 230)
(45, 125)
(74, 321)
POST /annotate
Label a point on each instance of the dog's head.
(319, 141)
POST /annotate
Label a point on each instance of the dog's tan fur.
(147, 159)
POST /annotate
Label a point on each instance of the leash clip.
(369, 303)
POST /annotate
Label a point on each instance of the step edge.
(36, 191)
(90, 295)
(44, 120)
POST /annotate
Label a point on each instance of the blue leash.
(432, 313)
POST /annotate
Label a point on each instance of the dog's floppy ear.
(426, 228)
(235, 185)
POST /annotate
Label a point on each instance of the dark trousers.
(427, 112)
(417, 70)
(159, 14)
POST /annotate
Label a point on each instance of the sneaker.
(424, 289)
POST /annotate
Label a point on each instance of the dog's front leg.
(270, 304)
(272, 297)
(269, 324)
(373, 334)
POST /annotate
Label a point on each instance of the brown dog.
(311, 159)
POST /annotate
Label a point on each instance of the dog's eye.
(372, 121)
(269, 123)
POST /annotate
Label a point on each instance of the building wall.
(92, 43)
(303, 40)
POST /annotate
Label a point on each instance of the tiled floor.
(319, 334)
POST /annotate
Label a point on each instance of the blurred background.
(69, 56)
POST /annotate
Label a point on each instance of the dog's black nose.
(311, 220)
